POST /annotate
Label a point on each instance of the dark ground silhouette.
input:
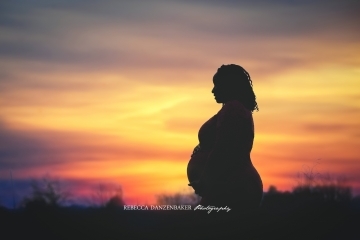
(283, 215)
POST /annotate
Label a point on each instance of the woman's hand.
(196, 149)
(201, 187)
(197, 186)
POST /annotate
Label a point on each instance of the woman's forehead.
(218, 79)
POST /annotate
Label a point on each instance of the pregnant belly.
(196, 165)
(244, 175)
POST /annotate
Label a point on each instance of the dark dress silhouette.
(222, 160)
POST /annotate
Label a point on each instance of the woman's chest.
(207, 133)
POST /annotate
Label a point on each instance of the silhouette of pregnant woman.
(220, 169)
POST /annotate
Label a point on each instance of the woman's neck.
(230, 100)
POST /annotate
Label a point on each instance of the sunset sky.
(115, 91)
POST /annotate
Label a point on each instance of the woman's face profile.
(220, 90)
